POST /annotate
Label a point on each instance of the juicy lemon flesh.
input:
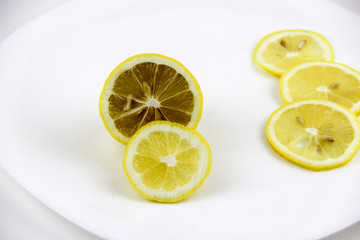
(165, 161)
(148, 92)
(290, 50)
(325, 82)
(316, 132)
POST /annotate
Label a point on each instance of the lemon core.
(152, 102)
(169, 160)
(312, 131)
(322, 89)
(292, 54)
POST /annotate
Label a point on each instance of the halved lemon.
(149, 87)
(166, 161)
(281, 50)
(314, 134)
(323, 80)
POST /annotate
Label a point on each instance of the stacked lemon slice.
(322, 80)
(282, 50)
(317, 127)
(315, 134)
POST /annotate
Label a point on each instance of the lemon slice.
(315, 134)
(145, 88)
(323, 80)
(166, 161)
(281, 50)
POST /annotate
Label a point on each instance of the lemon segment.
(149, 87)
(315, 134)
(166, 161)
(281, 50)
(324, 80)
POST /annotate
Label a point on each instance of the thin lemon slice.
(166, 161)
(149, 87)
(315, 134)
(281, 50)
(323, 80)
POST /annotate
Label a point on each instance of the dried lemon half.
(149, 87)
(314, 134)
(281, 50)
(166, 161)
(324, 80)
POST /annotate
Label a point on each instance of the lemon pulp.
(165, 161)
(147, 92)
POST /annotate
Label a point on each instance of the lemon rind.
(291, 72)
(182, 127)
(157, 58)
(276, 71)
(304, 162)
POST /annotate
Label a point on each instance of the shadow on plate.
(81, 144)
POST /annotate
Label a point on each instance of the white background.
(21, 215)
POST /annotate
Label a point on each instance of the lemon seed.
(301, 45)
(128, 102)
(334, 85)
(327, 138)
(300, 120)
(283, 43)
(147, 89)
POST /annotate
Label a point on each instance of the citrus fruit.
(315, 134)
(281, 50)
(323, 80)
(149, 87)
(166, 161)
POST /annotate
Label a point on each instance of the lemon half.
(149, 87)
(166, 161)
(314, 134)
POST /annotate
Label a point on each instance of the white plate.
(54, 144)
